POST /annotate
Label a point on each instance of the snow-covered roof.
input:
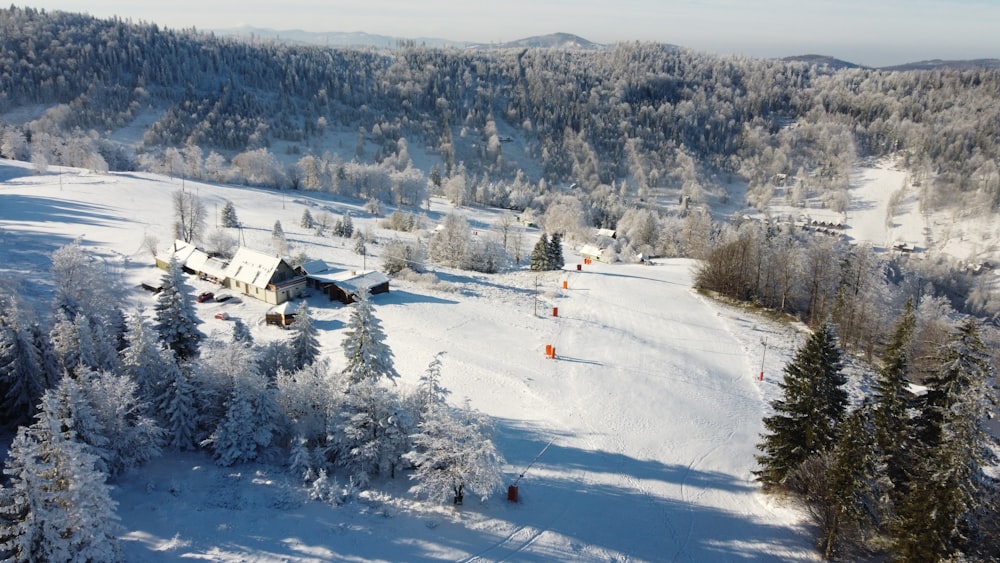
(610, 233)
(286, 308)
(252, 267)
(591, 250)
(314, 267)
(357, 281)
(182, 251)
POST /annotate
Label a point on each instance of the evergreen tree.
(307, 219)
(806, 417)
(540, 254)
(65, 341)
(241, 333)
(23, 372)
(891, 421)
(374, 433)
(852, 478)
(177, 409)
(116, 424)
(938, 519)
(304, 344)
(229, 219)
(176, 321)
(368, 356)
(143, 359)
(250, 423)
(58, 506)
(554, 252)
(277, 232)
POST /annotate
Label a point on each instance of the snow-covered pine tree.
(540, 254)
(938, 517)
(304, 344)
(229, 219)
(65, 341)
(368, 356)
(143, 358)
(23, 373)
(176, 408)
(58, 506)
(127, 436)
(554, 252)
(307, 219)
(277, 232)
(373, 431)
(176, 321)
(241, 333)
(813, 404)
(310, 400)
(454, 453)
(252, 419)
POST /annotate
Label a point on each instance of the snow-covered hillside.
(636, 443)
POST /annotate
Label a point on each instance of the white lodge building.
(267, 278)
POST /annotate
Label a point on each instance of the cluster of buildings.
(270, 278)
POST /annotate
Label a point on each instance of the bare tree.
(189, 216)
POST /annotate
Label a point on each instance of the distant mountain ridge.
(558, 40)
(362, 39)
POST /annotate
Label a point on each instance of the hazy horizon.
(869, 33)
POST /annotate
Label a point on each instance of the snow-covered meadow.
(636, 443)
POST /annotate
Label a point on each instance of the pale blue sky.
(871, 32)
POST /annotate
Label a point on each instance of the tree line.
(902, 474)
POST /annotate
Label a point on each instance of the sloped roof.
(314, 267)
(357, 281)
(182, 251)
(591, 250)
(252, 267)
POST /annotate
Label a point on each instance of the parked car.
(205, 296)
(224, 297)
(222, 316)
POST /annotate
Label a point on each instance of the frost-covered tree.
(112, 419)
(813, 403)
(939, 516)
(176, 408)
(277, 232)
(304, 344)
(454, 453)
(143, 358)
(241, 333)
(344, 227)
(368, 356)
(374, 431)
(307, 219)
(450, 244)
(229, 218)
(25, 373)
(176, 321)
(189, 216)
(310, 400)
(250, 424)
(58, 506)
(400, 255)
